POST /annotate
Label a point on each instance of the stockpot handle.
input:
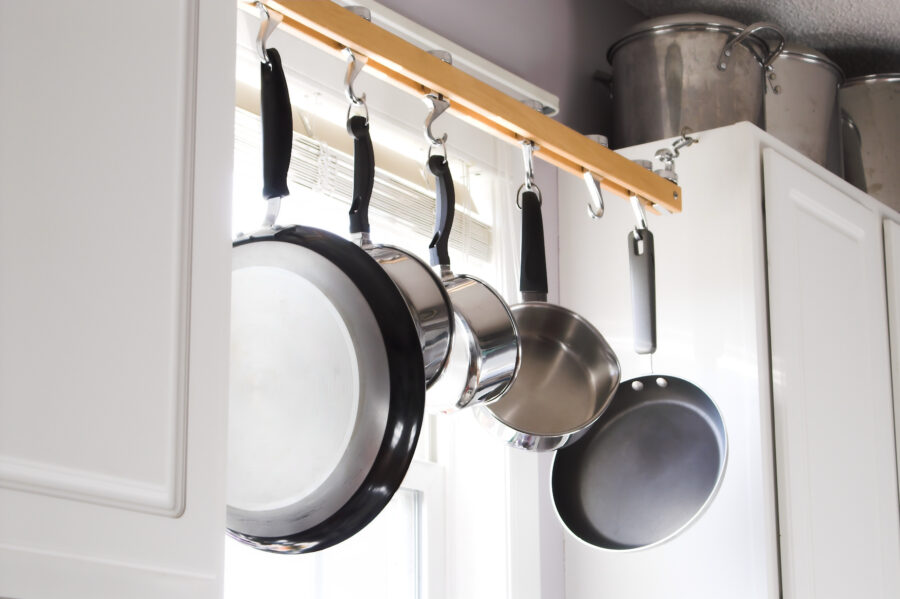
(533, 269)
(748, 31)
(642, 264)
(277, 126)
(363, 173)
(444, 211)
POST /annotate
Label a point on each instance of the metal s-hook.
(270, 22)
(595, 195)
(355, 65)
(528, 148)
(438, 107)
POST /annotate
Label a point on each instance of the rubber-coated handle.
(445, 209)
(533, 271)
(363, 173)
(277, 126)
(642, 263)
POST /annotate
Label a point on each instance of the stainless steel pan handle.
(642, 264)
(748, 31)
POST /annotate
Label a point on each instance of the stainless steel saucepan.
(654, 460)
(428, 301)
(569, 372)
(484, 355)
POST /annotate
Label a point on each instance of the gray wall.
(555, 44)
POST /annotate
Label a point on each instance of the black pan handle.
(277, 126)
(444, 212)
(642, 263)
(533, 271)
(363, 173)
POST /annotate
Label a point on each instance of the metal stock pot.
(873, 105)
(690, 70)
(803, 111)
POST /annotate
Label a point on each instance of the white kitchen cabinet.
(771, 297)
(831, 381)
(116, 136)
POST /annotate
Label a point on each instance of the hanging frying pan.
(423, 291)
(654, 460)
(569, 372)
(484, 356)
(327, 381)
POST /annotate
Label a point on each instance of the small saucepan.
(654, 460)
(569, 372)
(484, 355)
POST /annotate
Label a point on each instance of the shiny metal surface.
(646, 469)
(873, 104)
(301, 331)
(666, 76)
(567, 379)
(428, 302)
(851, 148)
(805, 112)
(484, 355)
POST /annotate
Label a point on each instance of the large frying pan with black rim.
(327, 387)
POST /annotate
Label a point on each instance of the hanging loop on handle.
(439, 105)
(270, 20)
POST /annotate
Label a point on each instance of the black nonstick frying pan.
(327, 386)
(655, 458)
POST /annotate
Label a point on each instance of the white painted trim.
(42, 574)
(428, 479)
(892, 272)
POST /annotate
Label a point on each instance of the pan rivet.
(637, 385)
(662, 382)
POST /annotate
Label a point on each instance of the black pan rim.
(406, 407)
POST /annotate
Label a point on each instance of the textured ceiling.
(862, 36)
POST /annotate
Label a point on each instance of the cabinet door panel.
(834, 434)
(115, 160)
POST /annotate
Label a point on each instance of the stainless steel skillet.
(655, 459)
(327, 385)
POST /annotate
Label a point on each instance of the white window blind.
(328, 172)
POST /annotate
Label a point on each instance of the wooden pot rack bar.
(333, 28)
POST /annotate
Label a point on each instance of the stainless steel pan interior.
(569, 372)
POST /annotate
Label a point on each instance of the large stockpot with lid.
(803, 111)
(872, 103)
(690, 70)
